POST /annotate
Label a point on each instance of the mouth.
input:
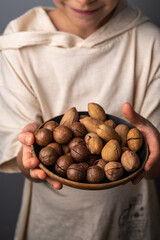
(84, 12)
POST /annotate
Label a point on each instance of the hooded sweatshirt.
(44, 72)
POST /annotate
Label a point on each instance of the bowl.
(143, 154)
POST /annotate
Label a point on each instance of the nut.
(96, 111)
(122, 131)
(62, 134)
(76, 141)
(78, 129)
(134, 139)
(107, 133)
(111, 151)
(92, 159)
(76, 172)
(113, 171)
(51, 125)
(62, 165)
(94, 143)
(110, 123)
(95, 174)
(43, 137)
(80, 153)
(100, 162)
(48, 156)
(130, 161)
(70, 116)
(57, 147)
(91, 124)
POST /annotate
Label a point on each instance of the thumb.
(134, 118)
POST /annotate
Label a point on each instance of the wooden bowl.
(143, 156)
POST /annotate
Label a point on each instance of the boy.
(51, 59)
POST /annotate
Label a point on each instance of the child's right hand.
(29, 164)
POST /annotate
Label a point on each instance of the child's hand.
(152, 167)
(29, 164)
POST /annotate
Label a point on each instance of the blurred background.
(11, 185)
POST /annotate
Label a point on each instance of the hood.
(36, 28)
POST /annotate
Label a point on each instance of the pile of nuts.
(89, 148)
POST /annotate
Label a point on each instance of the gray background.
(11, 185)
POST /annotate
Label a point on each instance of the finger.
(27, 134)
(38, 174)
(28, 160)
(26, 138)
(57, 185)
(134, 118)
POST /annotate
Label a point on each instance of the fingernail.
(28, 140)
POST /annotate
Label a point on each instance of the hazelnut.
(78, 129)
(51, 125)
(48, 156)
(113, 171)
(76, 172)
(80, 153)
(130, 161)
(43, 137)
(62, 164)
(62, 134)
(94, 143)
(111, 151)
(95, 174)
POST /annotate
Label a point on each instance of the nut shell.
(111, 151)
(78, 129)
(48, 156)
(76, 172)
(51, 125)
(62, 134)
(113, 171)
(57, 147)
(107, 133)
(122, 131)
(43, 137)
(94, 143)
(130, 161)
(95, 174)
(96, 111)
(70, 116)
(134, 139)
(80, 153)
(62, 165)
(75, 141)
(91, 124)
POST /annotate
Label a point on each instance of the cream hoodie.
(43, 73)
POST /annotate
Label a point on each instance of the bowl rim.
(85, 185)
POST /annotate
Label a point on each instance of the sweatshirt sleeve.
(18, 105)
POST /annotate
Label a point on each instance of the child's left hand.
(152, 135)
